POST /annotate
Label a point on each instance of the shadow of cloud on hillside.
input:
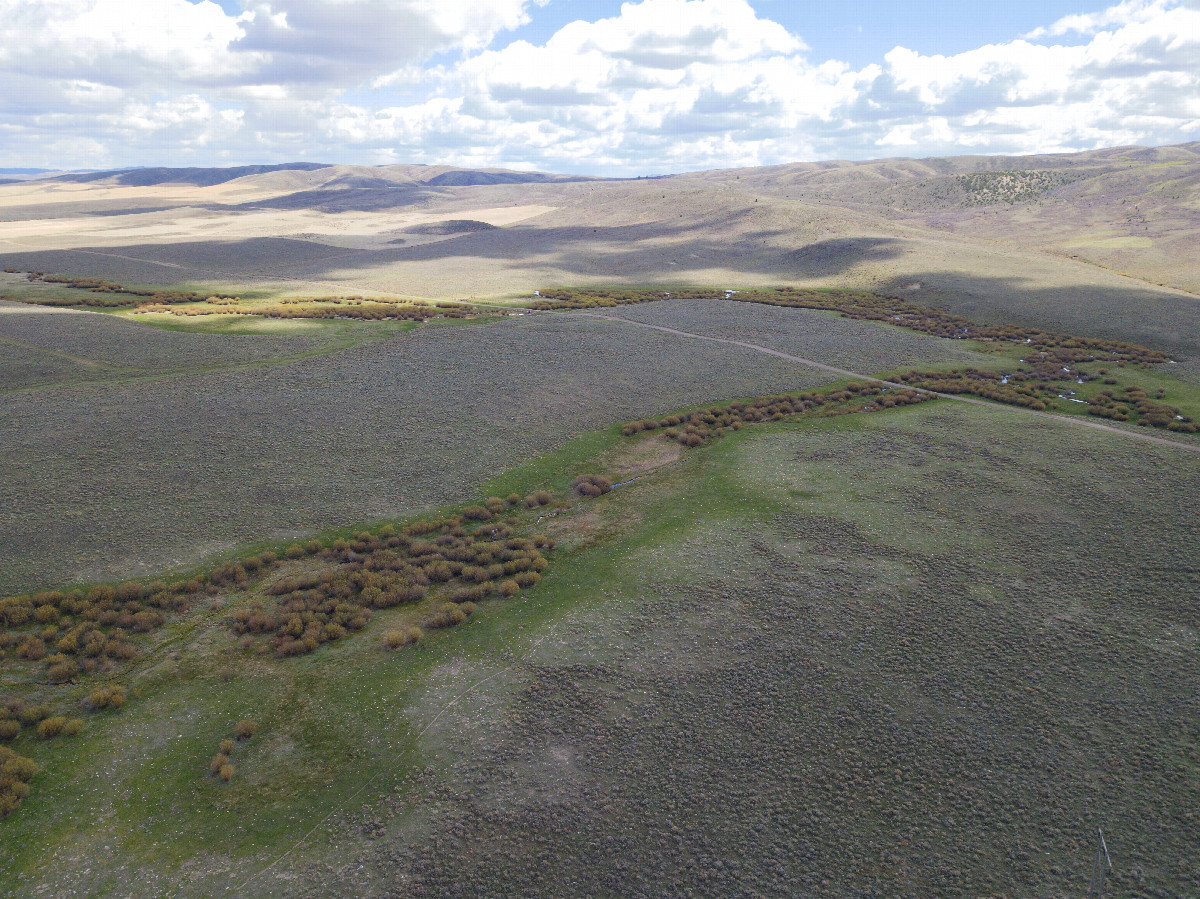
(656, 252)
(176, 263)
(687, 251)
(346, 199)
(832, 257)
(1157, 319)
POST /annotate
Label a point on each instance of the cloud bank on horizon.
(660, 86)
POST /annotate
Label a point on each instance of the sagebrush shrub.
(106, 698)
(33, 714)
(592, 485)
(51, 727)
(16, 771)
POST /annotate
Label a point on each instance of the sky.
(587, 86)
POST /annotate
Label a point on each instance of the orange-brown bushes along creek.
(65, 635)
(1034, 388)
(373, 311)
(393, 568)
(1136, 404)
(68, 635)
(107, 294)
(97, 293)
(592, 485)
(1058, 349)
(693, 428)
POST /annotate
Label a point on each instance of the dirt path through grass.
(1193, 448)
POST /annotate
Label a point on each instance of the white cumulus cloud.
(663, 85)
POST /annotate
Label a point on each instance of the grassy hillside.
(526, 597)
(1094, 243)
(903, 652)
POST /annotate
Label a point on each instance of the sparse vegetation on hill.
(989, 188)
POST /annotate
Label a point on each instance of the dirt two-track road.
(1082, 422)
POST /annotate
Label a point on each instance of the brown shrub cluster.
(557, 298)
(16, 771)
(592, 485)
(222, 765)
(398, 637)
(78, 629)
(1058, 349)
(98, 293)
(1014, 389)
(374, 311)
(371, 572)
(56, 725)
(448, 614)
(1035, 387)
(107, 294)
(106, 698)
(1136, 403)
(693, 428)
(10, 727)
(81, 632)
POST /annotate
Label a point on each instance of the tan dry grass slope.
(1096, 243)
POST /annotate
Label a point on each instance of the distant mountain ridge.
(200, 177)
(344, 176)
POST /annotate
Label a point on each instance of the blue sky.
(587, 86)
(858, 31)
